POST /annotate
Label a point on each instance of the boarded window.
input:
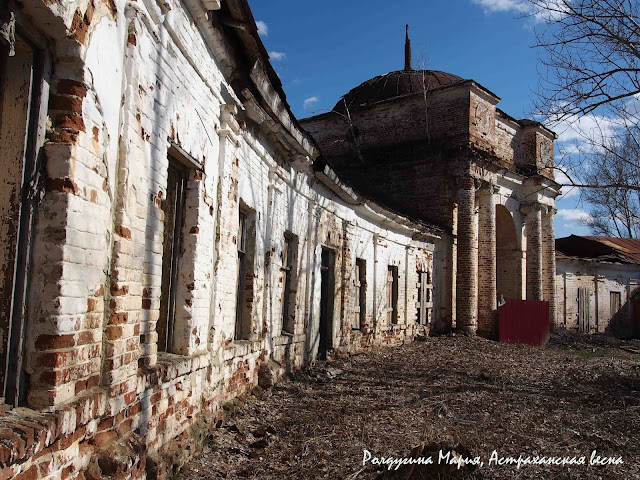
(289, 272)
(615, 302)
(173, 208)
(583, 310)
(392, 294)
(360, 294)
(424, 303)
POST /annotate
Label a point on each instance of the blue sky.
(323, 49)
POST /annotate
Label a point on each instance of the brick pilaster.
(486, 260)
(533, 225)
(549, 262)
(467, 272)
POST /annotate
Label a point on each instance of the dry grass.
(567, 399)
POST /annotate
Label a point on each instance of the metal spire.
(407, 52)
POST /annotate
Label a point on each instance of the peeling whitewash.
(127, 86)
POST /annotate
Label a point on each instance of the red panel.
(524, 321)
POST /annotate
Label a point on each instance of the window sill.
(241, 348)
(395, 327)
(286, 338)
(170, 366)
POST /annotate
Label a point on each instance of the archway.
(508, 256)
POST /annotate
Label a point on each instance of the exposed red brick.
(64, 136)
(67, 103)
(8, 472)
(80, 386)
(117, 318)
(84, 338)
(30, 474)
(71, 87)
(124, 232)
(113, 332)
(91, 304)
(130, 397)
(93, 381)
(71, 121)
(115, 291)
(54, 342)
(65, 185)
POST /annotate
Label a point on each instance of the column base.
(467, 330)
(488, 334)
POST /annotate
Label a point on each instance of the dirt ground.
(450, 394)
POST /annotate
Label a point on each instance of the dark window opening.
(242, 268)
(360, 297)
(327, 299)
(244, 292)
(21, 80)
(289, 270)
(173, 208)
(392, 295)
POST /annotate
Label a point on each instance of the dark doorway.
(327, 295)
(424, 303)
(20, 98)
(508, 256)
(584, 310)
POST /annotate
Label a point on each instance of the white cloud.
(587, 127)
(573, 216)
(309, 102)
(539, 11)
(263, 29)
(493, 6)
(276, 56)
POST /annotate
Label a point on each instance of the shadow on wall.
(625, 323)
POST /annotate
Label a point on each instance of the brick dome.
(395, 84)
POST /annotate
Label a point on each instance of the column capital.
(531, 208)
(486, 188)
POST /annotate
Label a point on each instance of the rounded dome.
(395, 84)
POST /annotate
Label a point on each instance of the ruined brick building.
(597, 282)
(435, 146)
(167, 235)
(168, 232)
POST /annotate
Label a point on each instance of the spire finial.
(407, 52)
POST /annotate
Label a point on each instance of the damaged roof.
(606, 249)
(395, 84)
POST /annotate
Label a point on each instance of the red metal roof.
(629, 248)
(610, 249)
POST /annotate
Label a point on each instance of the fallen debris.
(561, 400)
(631, 350)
